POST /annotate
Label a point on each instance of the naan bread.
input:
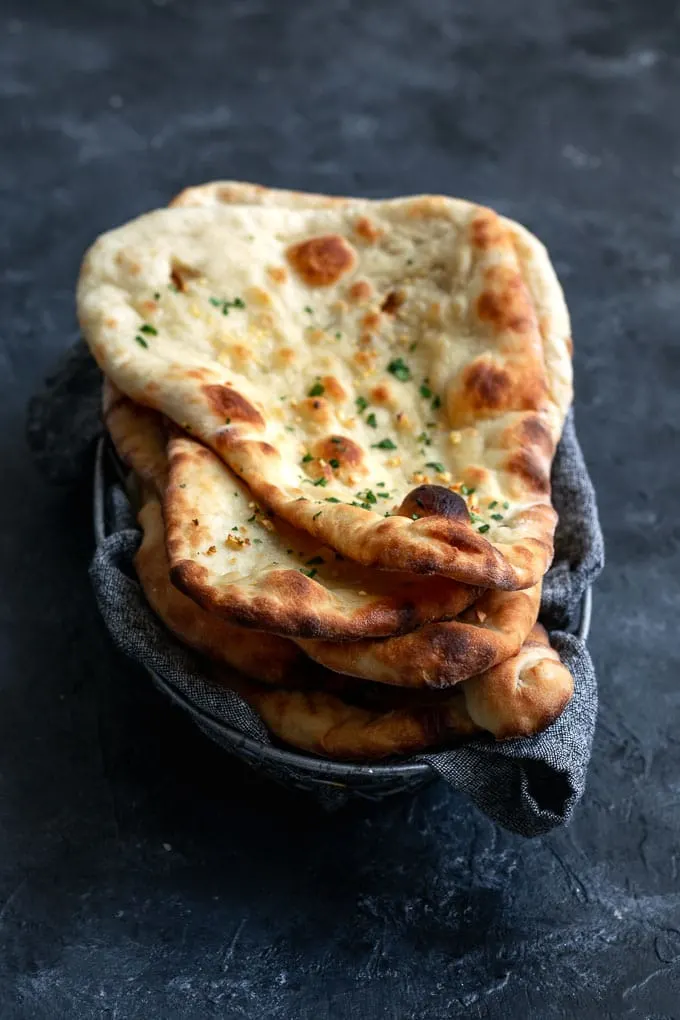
(237, 560)
(264, 657)
(538, 273)
(440, 654)
(520, 697)
(430, 326)
(139, 437)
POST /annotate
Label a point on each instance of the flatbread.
(138, 435)
(474, 395)
(440, 654)
(238, 561)
(537, 271)
(520, 697)
(265, 657)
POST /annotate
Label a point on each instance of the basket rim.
(333, 770)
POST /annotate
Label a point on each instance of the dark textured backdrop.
(142, 874)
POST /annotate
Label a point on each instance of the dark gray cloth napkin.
(529, 785)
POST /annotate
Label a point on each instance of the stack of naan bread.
(341, 416)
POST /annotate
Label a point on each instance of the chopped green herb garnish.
(289, 428)
(424, 438)
(425, 391)
(383, 495)
(413, 346)
(334, 462)
(483, 528)
(493, 503)
(338, 336)
(399, 369)
(323, 482)
(309, 573)
(315, 560)
(368, 496)
(307, 457)
(317, 515)
(496, 517)
(380, 485)
(317, 390)
(157, 296)
(257, 541)
(436, 466)
(146, 328)
(332, 499)
(226, 305)
(466, 491)
(436, 403)
(361, 403)
(141, 341)
(235, 528)
(384, 444)
(310, 311)
(506, 506)
(409, 262)
(251, 519)
(336, 439)
(372, 421)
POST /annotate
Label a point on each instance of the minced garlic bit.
(211, 551)
(455, 438)
(394, 461)
(235, 541)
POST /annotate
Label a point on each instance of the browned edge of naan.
(439, 654)
(517, 698)
(282, 600)
(264, 657)
(432, 543)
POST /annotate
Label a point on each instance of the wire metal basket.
(303, 771)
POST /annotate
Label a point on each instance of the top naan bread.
(413, 347)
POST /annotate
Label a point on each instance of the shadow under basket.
(299, 770)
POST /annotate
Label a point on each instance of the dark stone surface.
(144, 875)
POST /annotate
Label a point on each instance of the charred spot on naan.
(531, 470)
(231, 406)
(487, 231)
(181, 274)
(345, 457)
(367, 230)
(315, 410)
(392, 302)
(434, 501)
(488, 389)
(360, 292)
(504, 303)
(382, 394)
(322, 261)
(333, 389)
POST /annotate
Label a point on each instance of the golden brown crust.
(523, 695)
(439, 654)
(507, 302)
(265, 574)
(264, 657)
(519, 697)
(138, 436)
